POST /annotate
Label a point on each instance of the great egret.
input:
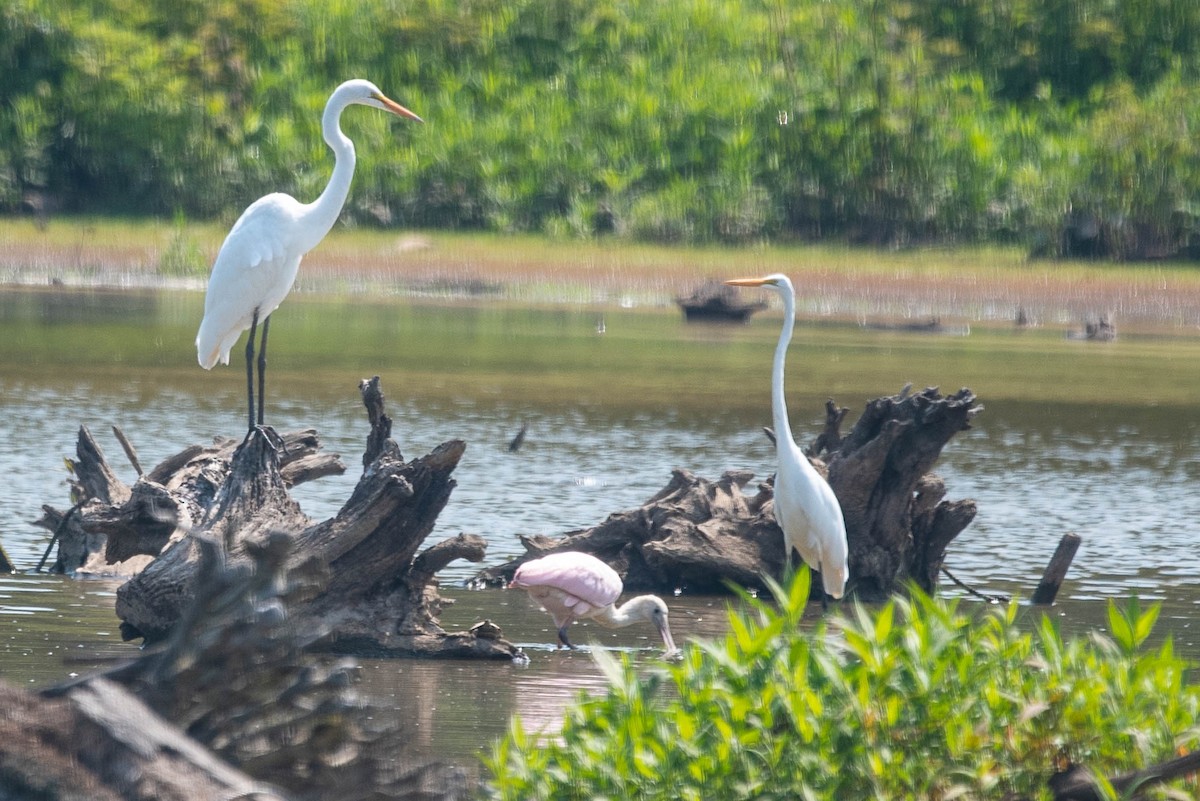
(572, 585)
(257, 264)
(805, 506)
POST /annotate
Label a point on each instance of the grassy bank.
(980, 285)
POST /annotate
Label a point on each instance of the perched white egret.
(572, 585)
(805, 506)
(257, 264)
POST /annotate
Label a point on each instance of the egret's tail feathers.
(833, 579)
(209, 357)
(208, 353)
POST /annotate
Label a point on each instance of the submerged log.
(699, 535)
(713, 301)
(381, 595)
(1077, 783)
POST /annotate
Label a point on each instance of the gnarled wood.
(381, 424)
(118, 523)
(694, 534)
(101, 743)
(898, 524)
(93, 477)
(697, 534)
(380, 596)
(240, 706)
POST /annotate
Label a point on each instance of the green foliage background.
(915, 700)
(701, 120)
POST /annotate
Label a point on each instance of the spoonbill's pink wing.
(585, 579)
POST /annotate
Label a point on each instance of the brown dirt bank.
(976, 285)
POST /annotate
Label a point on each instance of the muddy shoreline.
(952, 287)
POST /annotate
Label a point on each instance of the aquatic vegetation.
(918, 698)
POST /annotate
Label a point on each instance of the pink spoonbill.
(571, 586)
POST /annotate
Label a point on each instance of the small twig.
(58, 530)
(991, 599)
(519, 439)
(130, 453)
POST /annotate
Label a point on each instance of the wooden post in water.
(1056, 571)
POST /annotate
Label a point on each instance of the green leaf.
(1145, 624)
(1120, 626)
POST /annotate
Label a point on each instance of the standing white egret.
(805, 506)
(257, 264)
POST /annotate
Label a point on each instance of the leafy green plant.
(914, 699)
(732, 121)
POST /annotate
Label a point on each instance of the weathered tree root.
(700, 535)
(898, 524)
(695, 534)
(235, 682)
(381, 595)
(120, 529)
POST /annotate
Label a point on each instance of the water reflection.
(463, 706)
(1099, 441)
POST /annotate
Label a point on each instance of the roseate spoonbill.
(572, 585)
(805, 506)
(257, 264)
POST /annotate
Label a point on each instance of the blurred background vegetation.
(1064, 125)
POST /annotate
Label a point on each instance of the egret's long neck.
(323, 212)
(783, 428)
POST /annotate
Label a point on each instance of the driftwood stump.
(699, 535)
(118, 529)
(101, 743)
(898, 523)
(694, 535)
(381, 594)
(231, 705)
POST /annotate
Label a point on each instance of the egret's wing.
(261, 234)
(254, 269)
(811, 518)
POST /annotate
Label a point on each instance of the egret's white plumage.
(572, 585)
(805, 506)
(257, 264)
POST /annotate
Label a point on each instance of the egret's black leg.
(262, 367)
(250, 366)
(821, 583)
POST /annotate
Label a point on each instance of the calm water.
(1099, 439)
